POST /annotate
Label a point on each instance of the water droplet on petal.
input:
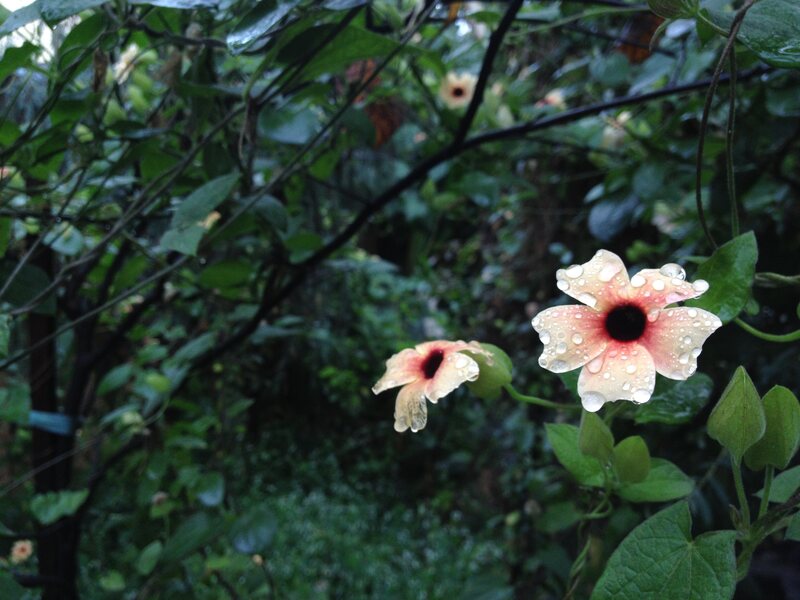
(692, 313)
(562, 285)
(696, 352)
(461, 361)
(641, 396)
(638, 281)
(687, 340)
(701, 285)
(543, 362)
(684, 359)
(595, 365)
(574, 271)
(558, 366)
(608, 271)
(673, 270)
(626, 386)
(561, 348)
(659, 285)
(577, 338)
(536, 321)
(578, 316)
(545, 338)
(652, 316)
(630, 369)
(606, 375)
(588, 299)
(593, 401)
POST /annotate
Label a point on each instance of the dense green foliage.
(219, 218)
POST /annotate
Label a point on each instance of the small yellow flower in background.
(554, 98)
(430, 370)
(457, 89)
(21, 551)
(626, 332)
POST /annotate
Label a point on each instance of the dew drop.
(593, 401)
(574, 271)
(672, 270)
(687, 340)
(638, 281)
(595, 365)
(631, 369)
(659, 285)
(461, 361)
(684, 359)
(641, 396)
(588, 299)
(652, 316)
(607, 273)
(536, 321)
(562, 285)
(696, 352)
(701, 285)
(545, 338)
(692, 313)
(561, 348)
(542, 362)
(558, 366)
(578, 316)
(577, 338)
(606, 375)
(626, 386)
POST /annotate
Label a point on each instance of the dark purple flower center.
(458, 92)
(431, 363)
(626, 323)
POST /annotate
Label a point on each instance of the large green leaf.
(632, 460)
(257, 23)
(194, 533)
(564, 440)
(659, 560)
(9, 588)
(186, 230)
(595, 438)
(50, 507)
(783, 486)
(664, 482)
(149, 557)
(29, 282)
(14, 58)
(771, 29)
(675, 402)
(737, 421)
(729, 272)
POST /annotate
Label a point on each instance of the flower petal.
(622, 372)
(572, 336)
(456, 368)
(599, 283)
(402, 368)
(656, 288)
(410, 408)
(676, 339)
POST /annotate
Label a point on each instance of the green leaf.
(257, 23)
(632, 459)
(301, 245)
(149, 557)
(9, 588)
(595, 438)
(75, 45)
(211, 489)
(564, 440)
(113, 581)
(783, 486)
(664, 482)
(737, 421)
(115, 379)
(194, 533)
(793, 530)
(20, 18)
(558, 516)
(252, 532)
(675, 402)
(6, 233)
(179, 4)
(15, 404)
(226, 273)
(659, 559)
(27, 285)
(14, 58)
(770, 29)
(52, 506)
(185, 230)
(673, 9)
(56, 10)
(729, 272)
(350, 45)
(495, 372)
(782, 435)
(5, 334)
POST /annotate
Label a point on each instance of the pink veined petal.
(410, 408)
(572, 336)
(676, 339)
(656, 288)
(456, 368)
(599, 283)
(445, 346)
(402, 368)
(623, 372)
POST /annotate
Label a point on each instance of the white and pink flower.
(626, 332)
(457, 89)
(430, 370)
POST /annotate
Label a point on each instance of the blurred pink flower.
(21, 551)
(457, 89)
(430, 370)
(626, 332)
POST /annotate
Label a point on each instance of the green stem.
(729, 174)
(737, 481)
(792, 336)
(768, 475)
(538, 401)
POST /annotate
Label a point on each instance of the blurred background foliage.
(218, 219)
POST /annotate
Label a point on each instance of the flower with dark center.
(457, 89)
(428, 371)
(626, 332)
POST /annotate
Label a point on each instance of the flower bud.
(495, 371)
